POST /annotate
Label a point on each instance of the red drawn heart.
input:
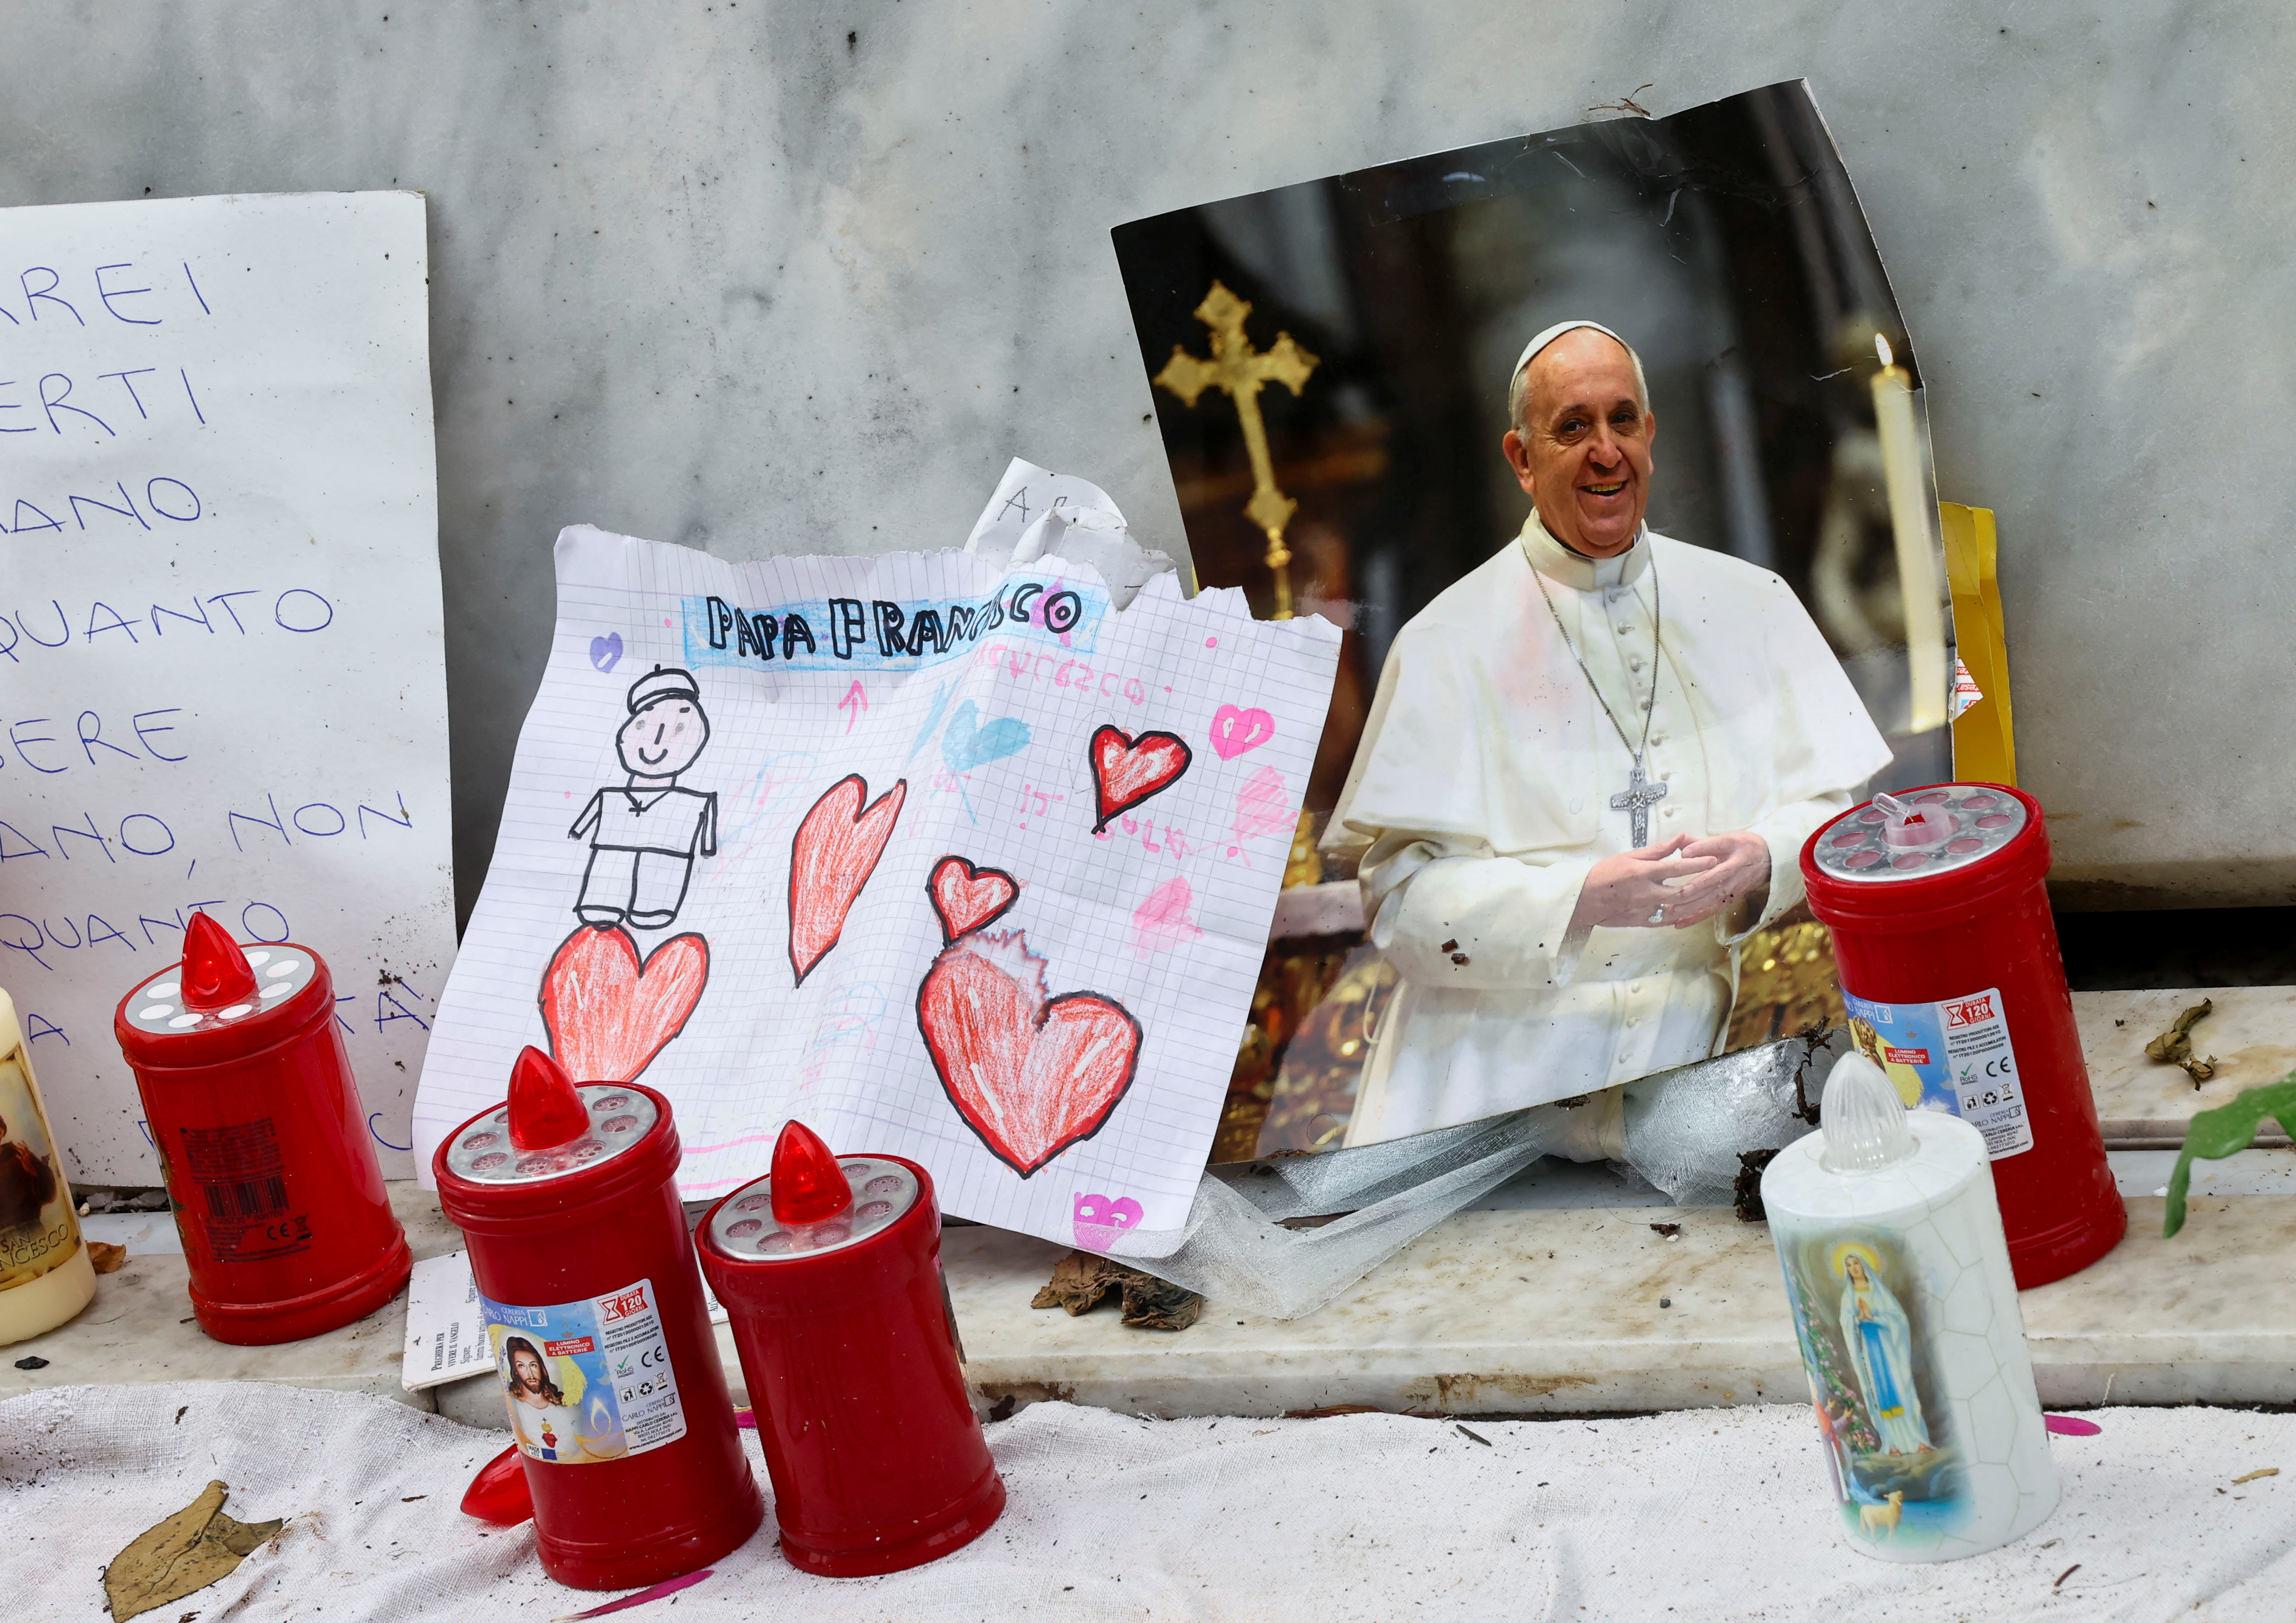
(832, 854)
(1126, 771)
(968, 897)
(1031, 1074)
(607, 1013)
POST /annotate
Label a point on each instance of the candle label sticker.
(235, 1180)
(586, 1380)
(37, 1229)
(1862, 1316)
(1954, 1056)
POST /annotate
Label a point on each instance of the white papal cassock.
(1483, 786)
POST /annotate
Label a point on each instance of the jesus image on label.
(644, 834)
(539, 1412)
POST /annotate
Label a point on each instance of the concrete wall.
(766, 275)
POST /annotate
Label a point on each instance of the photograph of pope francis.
(1585, 778)
(1576, 435)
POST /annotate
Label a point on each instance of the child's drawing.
(920, 735)
(643, 835)
(1126, 770)
(969, 899)
(608, 1012)
(835, 852)
(1031, 1074)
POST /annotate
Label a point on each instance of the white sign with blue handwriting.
(222, 672)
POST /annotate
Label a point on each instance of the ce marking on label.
(654, 1356)
(288, 1228)
(1998, 1068)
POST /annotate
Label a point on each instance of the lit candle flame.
(1881, 347)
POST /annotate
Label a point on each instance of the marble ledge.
(139, 1329)
(2143, 1102)
(1532, 1310)
(1558, 1311)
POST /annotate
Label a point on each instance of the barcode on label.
(245, 1202)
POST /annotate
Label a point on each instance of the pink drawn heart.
(1261, 805)
(1162, 922)
(1234, 731)
(607, 1013)
(1031, 1074)
(1097, 1220)
(968, 897)
(1125, 770)
(831, 855)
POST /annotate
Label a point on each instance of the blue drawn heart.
(968, 744)
(606, 652)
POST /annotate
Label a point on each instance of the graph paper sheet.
(948, 860)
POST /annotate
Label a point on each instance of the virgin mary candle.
(1897, 1275)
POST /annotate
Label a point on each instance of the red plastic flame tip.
(499, 1493)
(544, 1109)
(808, 1185)
(214, 969)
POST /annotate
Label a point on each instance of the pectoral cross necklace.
(1641, 792)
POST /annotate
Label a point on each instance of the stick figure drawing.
(644, 836)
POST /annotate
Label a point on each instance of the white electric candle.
(1898, 1277)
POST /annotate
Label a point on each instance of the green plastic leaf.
(2216, 1134)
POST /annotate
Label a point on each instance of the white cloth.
(1719, 1514)
(1483, 786)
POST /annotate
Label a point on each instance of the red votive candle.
(599, 1332)
(1955, 987)
(830, 1267)
(250, 1100)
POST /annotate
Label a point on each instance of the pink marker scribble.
(1162, 922)
(1261, 807)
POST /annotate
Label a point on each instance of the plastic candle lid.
(620, 1118)
(1933, 831)
(159, 1008)
(744, 1227)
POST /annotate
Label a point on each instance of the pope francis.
(1585, 779)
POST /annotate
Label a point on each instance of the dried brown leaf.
(196, 1546)
(2174, 1046)
(1080, 1283)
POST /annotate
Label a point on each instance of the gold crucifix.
(1242, 370)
